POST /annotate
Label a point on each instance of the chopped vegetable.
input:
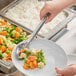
(13, 33)
(32, 61)
(3, 23)
(4, 43)
(1, 40)
(40, 57)
(10, 35)
(9, 55)
(18, 29)
(17, 34)
(0, 53)
(8, 51)
(41, 65)
(25, 61)
(25, 66)
(8, 26)
(4, 55)
(7, 29)
(3, 48)
(4, 33)
(13, 27)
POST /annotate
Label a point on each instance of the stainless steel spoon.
(25, 44)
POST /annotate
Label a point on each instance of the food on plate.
(32, 58)
(27, 13)
(10, 35)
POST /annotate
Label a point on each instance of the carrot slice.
(25, 67)
(18, 29)
(9, 55)
(3, 23)
(3, 48)
(1, 40)
(28, 62)
(32, 58)
(35, 63)
(12, 39)
(22, 51)
(29, 57)
(9, 59)
(31, 65)
(10, 49)
(4, 33)
(17, 34)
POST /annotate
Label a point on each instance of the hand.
(68, 71)
(52, 7)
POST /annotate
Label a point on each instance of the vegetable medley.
(10, 35)
(32, 59)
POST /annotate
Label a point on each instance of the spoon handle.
(39, 27)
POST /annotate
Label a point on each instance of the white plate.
(54, 54)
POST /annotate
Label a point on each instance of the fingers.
(60, 71)
(61, 75)
(49, 19)
(43, 12)
(71, 64)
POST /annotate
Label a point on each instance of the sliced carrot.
(10, 49)
(12, 39)
(18, 29)
(17, 34)
(4, 33)
(32, 58)
(1, 40)
(3, 23)
(9, 55)
(31, 65)
(28, 62)
(9, 59)
(25, 67)
(35, 63)
(22, 51)
(0, 33)
(3, 48)
(29, 57)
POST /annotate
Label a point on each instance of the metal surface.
(8, 67)
(4, 11)
(60, 26)
(72, 9)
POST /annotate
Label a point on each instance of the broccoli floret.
(8, 29)
(12, 34)
(4, 43)
(17, 40)
(13, 27)
(0, 53)
(22, 38)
